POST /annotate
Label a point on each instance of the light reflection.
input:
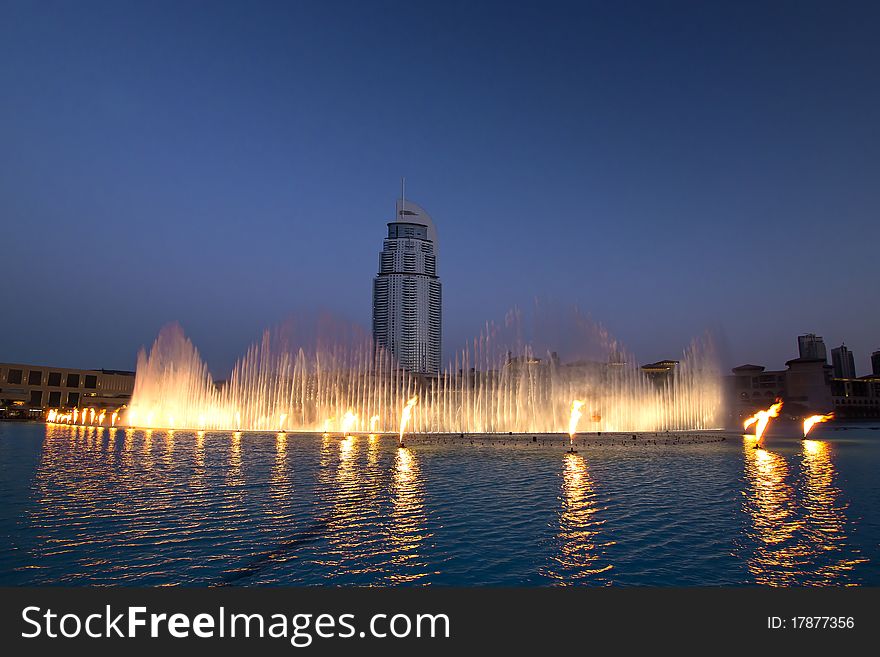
(580, 554)
(279, 482)
(826, 524)
(770, 506)
(233, 474)
(799, 533)
(408, 519)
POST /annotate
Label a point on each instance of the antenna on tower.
(402, 197)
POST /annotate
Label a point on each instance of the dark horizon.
(668, 170)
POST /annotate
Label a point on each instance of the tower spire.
(402, 197)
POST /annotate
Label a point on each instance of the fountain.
(508, 380)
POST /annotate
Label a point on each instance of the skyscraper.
(875, 363)
(812, 346)
(407, 293)
(843, 362)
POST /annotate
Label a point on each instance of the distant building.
(875, 363)
(407, 293)
(27, 390)
(812, 346)
(843, 362)
(804, 386)
(661, 371)
(856, 398)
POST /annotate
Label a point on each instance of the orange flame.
(815, 419)
(762, 418)
(406, 414)
(576, 413)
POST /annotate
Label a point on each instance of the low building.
(661, 371)
(856, 398)
(804, 386)
(28, 390)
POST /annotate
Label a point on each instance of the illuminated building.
(26, 390)
(407, 292)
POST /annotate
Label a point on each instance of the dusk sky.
(667, 167)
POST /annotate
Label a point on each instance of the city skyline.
(649, 167)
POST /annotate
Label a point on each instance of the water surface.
(101, 507)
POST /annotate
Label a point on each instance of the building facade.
(875, 363)
(843, 362)
(407, 295)
(812, 347)
(27, 390)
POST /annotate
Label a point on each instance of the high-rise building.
(843, 362)
(875, 363)
(407, 293)
(812, 347)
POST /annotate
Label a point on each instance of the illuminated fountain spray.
(761, 419)
(813, 420)
(576, 406)
(405, 416)
(502, 382)
(348, 422)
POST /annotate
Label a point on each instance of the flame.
(374, 421)
(101, 418)
(52, 415)
(348, 421)
(762, 418)
(113, 418)
(406, 414)
(576, 406)
(815, 419)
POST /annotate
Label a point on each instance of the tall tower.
(812, 346)
(843, 362)
(406, 291)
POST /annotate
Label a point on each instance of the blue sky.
(667, 167)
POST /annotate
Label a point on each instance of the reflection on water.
(279, 481)
(776, 557)
(407, 526)
(375, 523)
(826, 522)
(580, 554)
(799, 534)
(104, 507)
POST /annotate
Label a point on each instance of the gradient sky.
(668, 167)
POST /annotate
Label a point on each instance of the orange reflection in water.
(770, 506)
(800, 534)
(826, 523)
(580, 554)
(407, 519)
(279, 480)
